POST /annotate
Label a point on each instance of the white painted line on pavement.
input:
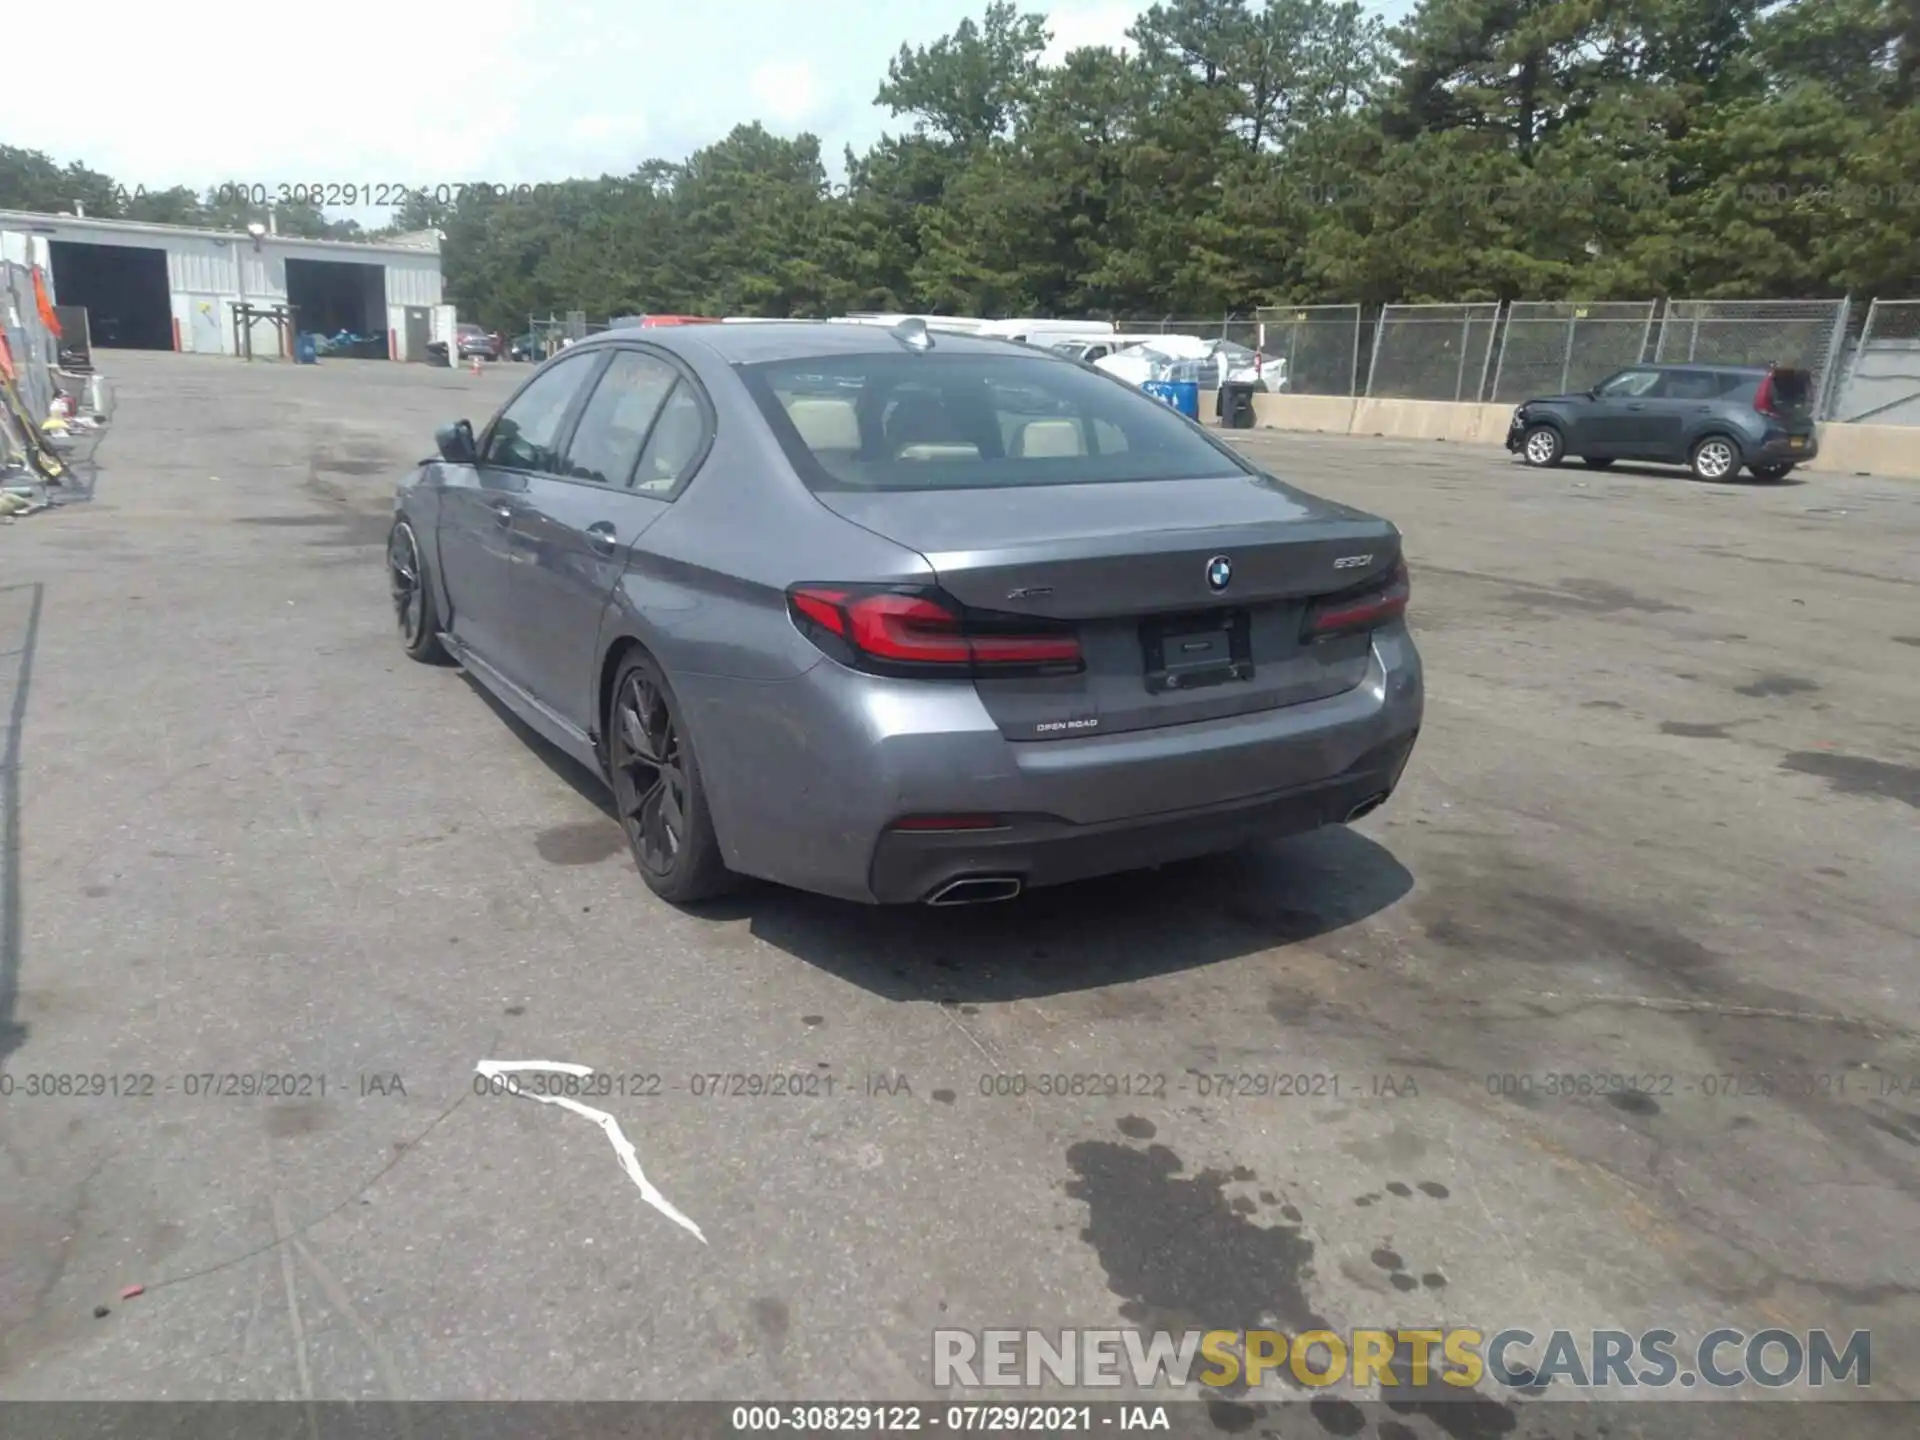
(623, 1147)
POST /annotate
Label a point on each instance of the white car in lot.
(1208, 363)
(1090, 350)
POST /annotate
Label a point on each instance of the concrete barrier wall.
(1869, 449)
(1890, 450)
(1432, 420)
(1327, 414)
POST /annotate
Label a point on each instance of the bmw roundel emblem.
(1219, 573)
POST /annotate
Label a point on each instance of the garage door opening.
(329, 296)
(125, 291)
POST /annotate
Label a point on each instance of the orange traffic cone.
(476, 364)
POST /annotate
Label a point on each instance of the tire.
(409, 585)
(656, 783)
(1542, 447)
(1597, 463)
(1771, 473)
(1714, 458)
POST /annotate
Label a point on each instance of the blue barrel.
(1183, 395)
(305, 351)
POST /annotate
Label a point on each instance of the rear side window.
(1698, 384)
(679, 438)
(901, 421)
(614, 426)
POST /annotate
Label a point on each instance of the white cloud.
(599, 129)
(1091, 22)
(786, 92)
(361, 97)
(445, 92)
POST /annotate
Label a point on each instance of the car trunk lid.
(1786, 396)
(1189, 597)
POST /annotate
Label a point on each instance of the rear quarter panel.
(705, 590)
(705, 595)
(1733, 417)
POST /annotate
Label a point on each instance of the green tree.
(1518, 69)
(749, 212)
(968, 87)
(32, 180)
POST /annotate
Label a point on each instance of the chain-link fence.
(1319, 343)
(553, 334)
(1556, 347)
(1804, 334)
(1206, 327)
(1433, 352)
(1478, 351)
(1881, 384)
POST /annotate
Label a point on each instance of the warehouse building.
(169, 287)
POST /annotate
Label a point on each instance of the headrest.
(825, 424)
(1050, 439)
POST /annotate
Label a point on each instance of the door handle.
(1636, 407)
(503, 515)
(602, 538)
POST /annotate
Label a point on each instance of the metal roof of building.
(420, 242)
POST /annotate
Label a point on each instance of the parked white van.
(1048, 332)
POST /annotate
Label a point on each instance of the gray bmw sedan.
(900, 616)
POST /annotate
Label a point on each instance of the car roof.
(1703, 365)
(750, 344)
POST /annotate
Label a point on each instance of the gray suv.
(1714, 419)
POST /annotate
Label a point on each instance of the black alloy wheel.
(657, 789)
(413, 609)
(649, 781)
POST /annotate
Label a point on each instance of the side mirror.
(456, 443)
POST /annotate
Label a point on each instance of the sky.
(385, 93)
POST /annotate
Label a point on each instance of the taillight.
(1366, 608)
(917, 630)
(1763, 396)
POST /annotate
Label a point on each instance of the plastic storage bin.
(1183, 395)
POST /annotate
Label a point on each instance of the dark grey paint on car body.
(808, 762)
(1665, 423)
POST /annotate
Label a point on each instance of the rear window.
(907, 421)
(1701, 384)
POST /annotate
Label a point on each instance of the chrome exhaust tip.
(1366, 807)
(977, 890)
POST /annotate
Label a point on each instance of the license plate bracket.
(1194, 652)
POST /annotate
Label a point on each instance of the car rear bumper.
(911, 866)
(806, 778)
(1780, 450)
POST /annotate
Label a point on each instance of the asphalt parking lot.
(1661, 824)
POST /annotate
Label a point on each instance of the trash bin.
(1183, 395)
(1236, 405)
(305, 351)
